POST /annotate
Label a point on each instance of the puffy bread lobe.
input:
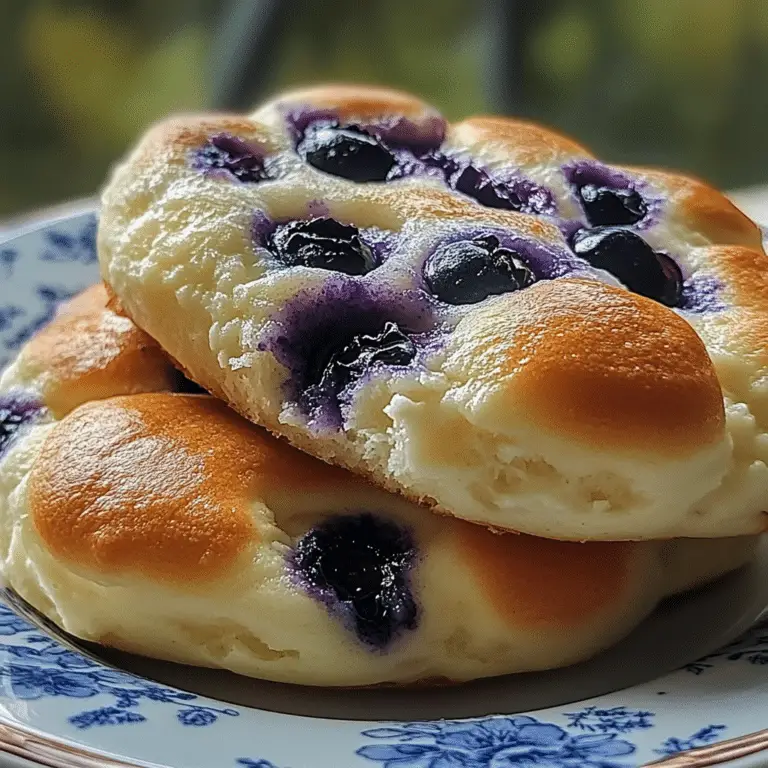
(522, 143)
(705, 212)
(622, 424)
(652, 389)
(507, 437)
(88, 352)
(188, 557)
(164, 524)
(398, 111)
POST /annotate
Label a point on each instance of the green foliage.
(676, 82)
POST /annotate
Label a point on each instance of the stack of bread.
(371, 398)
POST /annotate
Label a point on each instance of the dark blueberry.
(14, 412)
(361, 562)
(322, 243)
(469, 271)
(234, 155)
(628, 257)
(605, 206)
(477, 184)
(346, 151)
(390, 346)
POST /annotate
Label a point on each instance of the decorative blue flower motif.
(106, 716)
(8, 314)
(699, 739)
(11, 624)
(500, 742)
(202, 716)
(50, 652)
(197, 717)
(8, 258)
(44, 668)
(30, 683)
(613, 720)
(79, 247)
(50, 297)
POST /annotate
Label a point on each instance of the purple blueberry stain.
(333, 336)
(702, 294)
(396, 131)
(17, 409)
(611, 197)
(317, 209)
(262, 227)
(397, 148)
(569, 227)
(508, 191)
(230, 157)
(359, 567)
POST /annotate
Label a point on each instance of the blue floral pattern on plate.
(50, 688)
(47, 267)
(494, 743)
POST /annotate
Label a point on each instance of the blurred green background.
(671, 82)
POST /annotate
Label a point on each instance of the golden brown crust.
(155, 485)
(602, 365)
(88, 352)
(704, 208)
(170, 141)
(161, 485)
(358, 101)
(521, 141)
(747, 279)
(522, 575)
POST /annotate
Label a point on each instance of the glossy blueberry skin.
(323, 243)
(604, 206)
(225, 152)
(627, 256)
(390, 346)
(346, 151)
(468, 271)
(476, 184)
(358, 565)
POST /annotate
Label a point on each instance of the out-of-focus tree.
(676, 82)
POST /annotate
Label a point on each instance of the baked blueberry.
(346, 151)
(361, 562)
(478, 185)
(469, 271)
(628, 257)
(232, 154)
(604, 206)
(390, 346)
(323, 243)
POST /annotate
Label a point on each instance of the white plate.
(665, 688)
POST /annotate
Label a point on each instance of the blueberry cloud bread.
(138, 516)
(481, 316)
